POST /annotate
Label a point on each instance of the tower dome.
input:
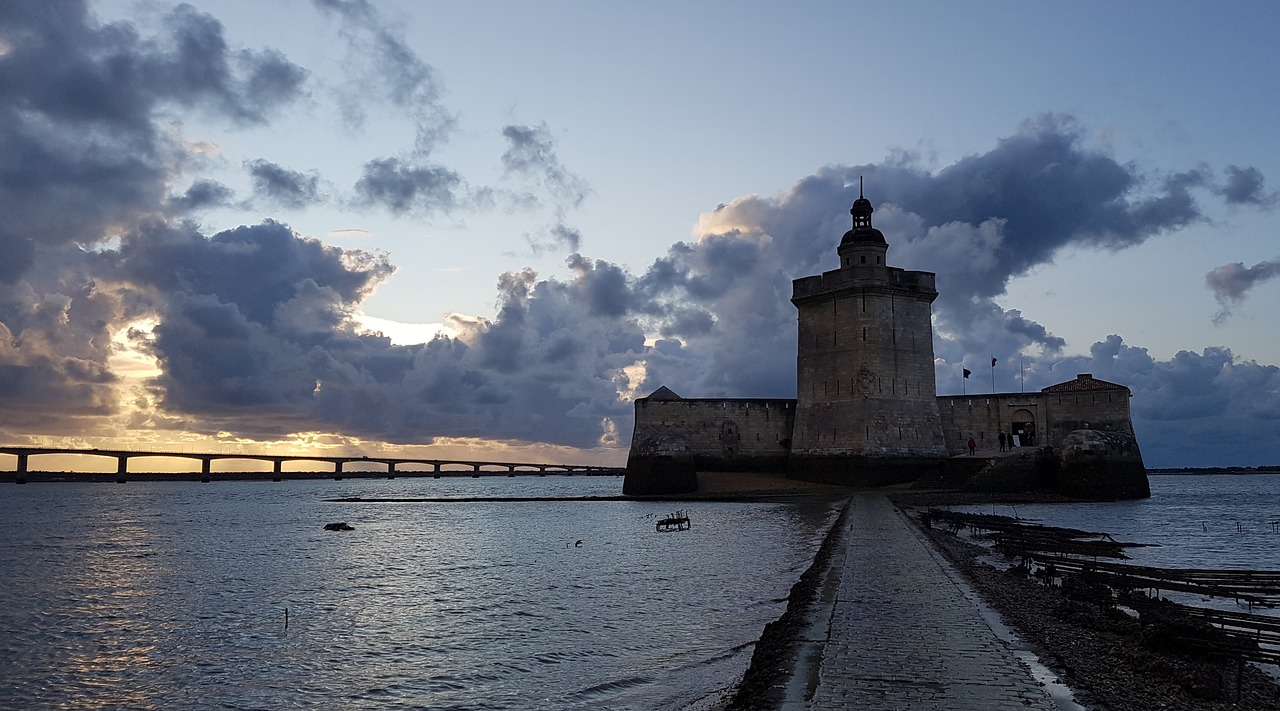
(863, 245)
(862, 231)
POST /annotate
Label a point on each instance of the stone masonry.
(865, 378)
(866, 411)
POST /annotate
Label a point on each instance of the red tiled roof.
(1084, 382)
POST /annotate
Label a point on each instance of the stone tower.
(866, 405)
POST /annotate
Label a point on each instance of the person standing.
(972, 446)
(1002, 441)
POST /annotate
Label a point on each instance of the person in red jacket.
(972, 445)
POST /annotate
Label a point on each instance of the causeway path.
(897, 627)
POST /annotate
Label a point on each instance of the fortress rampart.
(754, 434)
(867, 412)
(733, 434)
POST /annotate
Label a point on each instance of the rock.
(339, 526)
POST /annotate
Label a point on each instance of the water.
(1210, 521)
(157, 595)
(1190, 521)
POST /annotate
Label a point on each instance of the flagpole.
(993, 375)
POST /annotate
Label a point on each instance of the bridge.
(425, 467)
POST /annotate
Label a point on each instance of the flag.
(966, 372)
(993, 362)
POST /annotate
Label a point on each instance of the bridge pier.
(391, 470)
(122, 468)
(21, 469)
(277, 466)
(205, 468)
(337, 470)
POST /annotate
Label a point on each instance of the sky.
(480, 230)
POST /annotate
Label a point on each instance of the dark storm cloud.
(1245, 187)
(80, 151)
(255, 336)
(254, 333)
(282, 186)
(83, 158)
(1195, 409)
(977, 223)
(407, 188)
(203, 194)
(19, 254)
(256, 268)
(1231, 282)
(55, 343)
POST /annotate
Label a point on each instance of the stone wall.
(865, 375)
(984, 417)
(1042, 419)
(1106, 410)
(737, 434)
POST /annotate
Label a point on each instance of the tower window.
(878, 260)
(864, 259)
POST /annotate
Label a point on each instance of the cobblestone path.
(908, 633)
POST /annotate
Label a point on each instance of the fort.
(867, 412)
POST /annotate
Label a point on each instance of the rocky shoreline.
(1103, 657)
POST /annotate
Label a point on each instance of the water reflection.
(168, 594)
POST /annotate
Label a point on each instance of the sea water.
(231, 595)
(1190, 521)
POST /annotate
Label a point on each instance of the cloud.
(1231, 282)
(203, 194)
(379, 59)
(405, 188)
(531, 155)
(80, 151)
(1245, 187)
(255, 334)
(977, 223)
(282, 186)
(254, 328)
(1195, 409)
(350, 232)
(56, 330)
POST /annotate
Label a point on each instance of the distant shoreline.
(1214, 470)
(43, 477)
